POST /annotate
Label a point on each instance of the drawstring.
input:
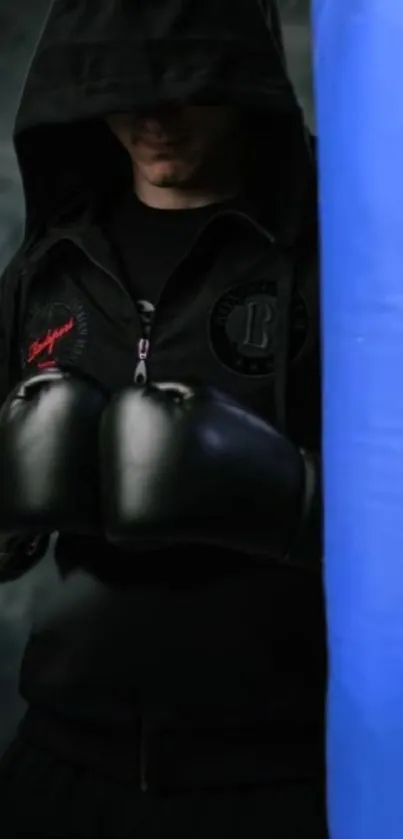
(292, 240)
(281, 347)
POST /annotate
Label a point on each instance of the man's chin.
(167, 174)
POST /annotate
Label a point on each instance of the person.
(160, 390)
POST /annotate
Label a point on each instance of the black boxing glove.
(48, 462)
(192, 466)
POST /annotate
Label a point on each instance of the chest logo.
(243, 328)
(55, 334)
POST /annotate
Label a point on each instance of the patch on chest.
(243, 328)
(54, 334)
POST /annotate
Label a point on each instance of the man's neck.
(170, 198)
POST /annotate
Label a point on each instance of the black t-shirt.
(149, 243)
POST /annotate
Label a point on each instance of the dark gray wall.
(20, 22)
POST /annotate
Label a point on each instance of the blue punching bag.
(358, 48)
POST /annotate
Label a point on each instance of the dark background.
(20, 22)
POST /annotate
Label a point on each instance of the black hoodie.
(194, 670)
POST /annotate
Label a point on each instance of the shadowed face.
(172, 146)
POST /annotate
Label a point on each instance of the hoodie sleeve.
(17, 554)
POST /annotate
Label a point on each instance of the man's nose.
(165, 113)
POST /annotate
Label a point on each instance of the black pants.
(41, 796)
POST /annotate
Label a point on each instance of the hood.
(93, 59)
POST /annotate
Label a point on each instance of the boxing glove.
(192, 466)
(48, 456)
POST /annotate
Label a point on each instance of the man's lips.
(159, 144)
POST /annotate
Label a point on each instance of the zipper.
(141, 372)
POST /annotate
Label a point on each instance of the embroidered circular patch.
(243, 328)
(54, 334)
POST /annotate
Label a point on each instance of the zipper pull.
(140, 373)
